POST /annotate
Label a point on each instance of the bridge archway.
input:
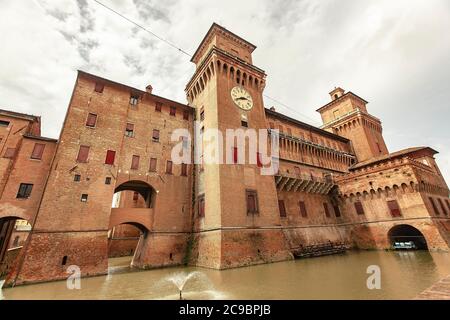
(407, 233)
(140, 188)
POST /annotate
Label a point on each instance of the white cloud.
(396, 54)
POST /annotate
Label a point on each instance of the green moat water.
(403, 276)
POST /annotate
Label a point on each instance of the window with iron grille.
(129, 130)
(77, 178)
(84, 197)
(24, 191)
(91, 120)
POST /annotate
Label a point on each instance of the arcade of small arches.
(359, 121)
(387, 191)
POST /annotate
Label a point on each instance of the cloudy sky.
(393, 53)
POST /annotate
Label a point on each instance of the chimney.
(272, 109)
(149, 89)
(337, 93)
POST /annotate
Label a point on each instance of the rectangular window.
(77, 178)
(184, 169)
(173, 111)
(155, 136)
(252, 202)
(258, 160)
(99, 87)
(327, 211)
(359, 208)
(91, 120)
(84, 197)
(9, 153)
(110, 157)
(158, 107)
(303, 211)
(282, 208)
(185, 115)
(38, 151)
(444, 210)
(4, 123)
(169, 167)
(337, 211)
(394, 208)
(244, 123)
(201, 206)
(202, 114)
(435, 208)
(24, 191)
(135, 163)
(108, 180)
(129, 131)
(83, 154)
(153, 164)
(134, 100)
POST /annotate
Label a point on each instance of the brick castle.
(109, 187)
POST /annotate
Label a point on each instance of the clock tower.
(236, 219)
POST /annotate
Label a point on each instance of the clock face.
(242, 98)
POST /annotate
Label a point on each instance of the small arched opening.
(406, 237)
(14, 232)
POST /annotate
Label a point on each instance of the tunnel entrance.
(406, 237)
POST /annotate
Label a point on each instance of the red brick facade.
(337, 183)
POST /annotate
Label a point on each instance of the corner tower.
(227, 232)
(347, 116)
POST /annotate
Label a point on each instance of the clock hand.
(242, 98)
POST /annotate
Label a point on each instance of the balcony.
(304, 183)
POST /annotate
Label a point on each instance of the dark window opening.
(99, 87)
(64, 261)
(185, 115)
(173, 111)
(155, 136)
(135, 162)
(129, 131)
(134, 100)
(303, 211)
(337, 211)
(84, 197)
(184, 169)
(77, 178)
(252, 202)
(327, 211)
(169, 167)
(91, 120)
(153, 164)
(435, 208)
(24, 191)
(444, 210)
(38, 151)
(4, 123)
(202, 114)
(201, 205)
(83, 154)
(108, 180)
(158, 107)
(244, 124)
(394, 208)
(359, 208)
(282, 208)
(110, 157)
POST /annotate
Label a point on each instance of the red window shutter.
(303, 211)
(38, 151)
(394, 208)
(327, 211)
(83, 154)
(282, 208)
(91, 120)
(110, 157)
(169, 167)
(184, 169)
(258, 160)
(135, 163)
(153, 163)
(158, 107)
(186, 115)
(235, 155)
(359, 208)
(173, 111)
(155, 135)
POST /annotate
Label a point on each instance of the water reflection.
(403, 276)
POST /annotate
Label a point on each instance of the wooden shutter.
(303, 211)
(394, 208)
(153, 164)
(169, 167)
(38, 150)
(135, 163)
(83, 154)
(110, 157)
(91, 120)
(359, 208)
(282, 208)
(327, 211)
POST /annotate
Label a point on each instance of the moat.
(403, 276)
